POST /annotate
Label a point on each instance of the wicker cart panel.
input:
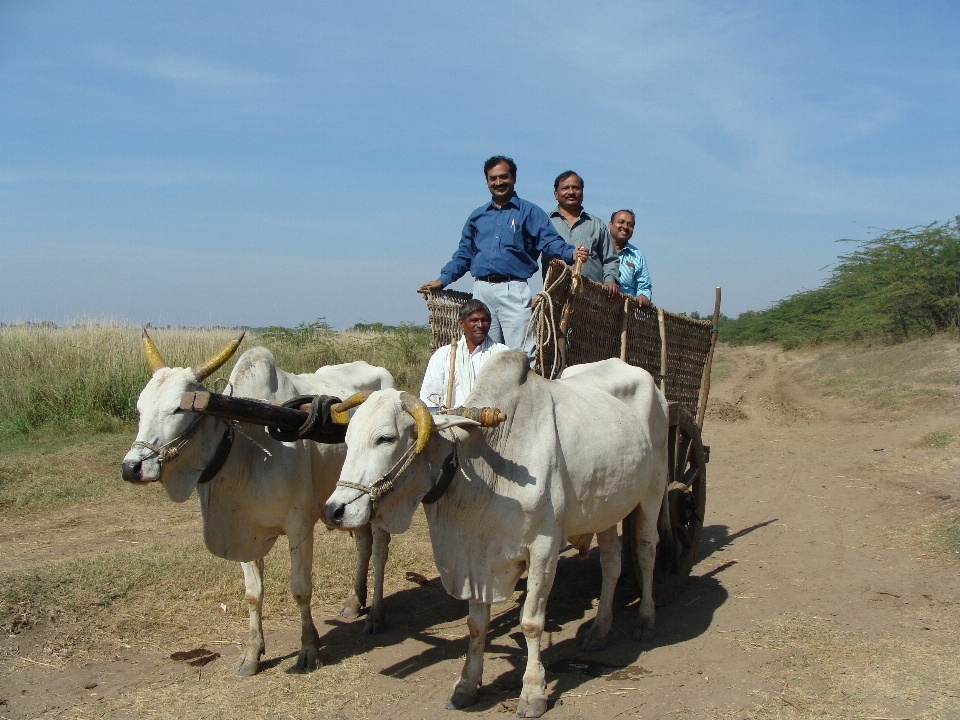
(595, 333)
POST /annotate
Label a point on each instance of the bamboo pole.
(705, 385)
(452, 370)
(663, 350)
(623, 329)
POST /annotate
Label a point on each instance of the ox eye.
(386, 440)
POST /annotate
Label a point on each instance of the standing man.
(473, 349)
(634, 278)
(578, 227)
(500, 245)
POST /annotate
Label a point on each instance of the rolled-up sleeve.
(608, 257)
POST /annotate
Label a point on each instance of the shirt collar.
(584, 215)
(513, 201)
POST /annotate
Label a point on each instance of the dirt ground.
(827, 585)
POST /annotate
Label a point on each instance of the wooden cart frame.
(575, 322)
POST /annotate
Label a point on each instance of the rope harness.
(385, 484)
(171, 450)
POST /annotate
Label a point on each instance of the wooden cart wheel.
(687, 491)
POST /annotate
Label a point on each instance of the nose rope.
(171, 449)
(385, 484)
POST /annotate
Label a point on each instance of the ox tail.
(663, 522)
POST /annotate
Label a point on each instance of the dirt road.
(825, 588)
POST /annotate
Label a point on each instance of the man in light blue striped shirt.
(634, 277)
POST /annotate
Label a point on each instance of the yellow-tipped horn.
(341, 413)
(421, 414)
(151, 353)
(210, 366)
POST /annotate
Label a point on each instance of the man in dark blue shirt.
(500, 246)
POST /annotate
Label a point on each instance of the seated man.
(634, 278)
(473, 349)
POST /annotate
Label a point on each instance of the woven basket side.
(444, 307)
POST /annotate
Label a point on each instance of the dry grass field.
(827, 585)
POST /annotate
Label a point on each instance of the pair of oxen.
(561, 460)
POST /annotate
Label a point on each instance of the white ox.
(253, 488)
(573, 457)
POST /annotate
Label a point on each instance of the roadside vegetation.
(901, 284)
(86, 378)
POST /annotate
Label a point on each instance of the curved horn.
(421, 414)
(212, 364)
(151, 353)
(340, 413)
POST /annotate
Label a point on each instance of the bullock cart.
(577, 323)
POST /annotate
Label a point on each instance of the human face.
(475, 327)
(621, 228)
(500, 182)
(569, 194)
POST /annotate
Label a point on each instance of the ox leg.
(646, 550)
(596, 638)
(301, 586)
(253, 648)
(381, 547)
(540, 572)
(363, 537)
(465, 692)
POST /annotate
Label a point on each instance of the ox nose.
(132, 471)
(333, 514)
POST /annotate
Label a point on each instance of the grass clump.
(901, 284)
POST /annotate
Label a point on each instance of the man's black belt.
(494, 278)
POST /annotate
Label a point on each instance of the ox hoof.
(462, 697)
(593, 644)
(308, 660)
(247, 666)
(532, 708)
(350, 608)
(644, 633)
(373, 626)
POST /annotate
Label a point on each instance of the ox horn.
(340, 413)
(151, 353)
(421, 414)
(212, 364)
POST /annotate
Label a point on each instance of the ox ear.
(442, 422)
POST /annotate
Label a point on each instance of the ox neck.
(219, 457)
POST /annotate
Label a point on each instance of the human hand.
(581, 253)
(431, 286)
(612, 290)
(643, 301)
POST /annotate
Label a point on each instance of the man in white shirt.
(473, 348)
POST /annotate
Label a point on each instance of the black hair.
(472, 306)
(496, 160)
(632, 214)
(563, 176)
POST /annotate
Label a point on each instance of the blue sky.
(272, 163)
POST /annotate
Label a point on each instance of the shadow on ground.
(428, 613)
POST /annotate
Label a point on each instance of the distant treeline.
(901, 284)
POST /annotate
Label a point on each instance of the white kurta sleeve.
(434, 389)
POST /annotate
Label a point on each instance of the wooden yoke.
(565, 313)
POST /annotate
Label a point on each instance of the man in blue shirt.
(500, 246)
(634, 278)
